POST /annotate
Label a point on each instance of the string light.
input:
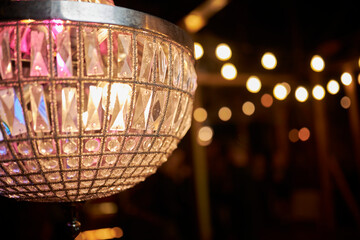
(301, 94)
(346, 78)
(199, 50)
(228, 71)
(317, 63)
(200, 115)
(248, 108)
(318, 92)
(225, 114)
(253, 84)
(223, 52)
(268, 61)
(280, 92)
(267, 100)
(333, 87)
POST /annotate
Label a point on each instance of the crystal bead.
(94, 110)
(72, 162)
(157, 144)
(49, 163)
(146, 52)
(130, 144)
(177, 70)
(120, 99)
(162, 62)
(157, 110)
(69, 112)
(38, 61)
(11, 112)
(60, 194)
(45, 147)
(24, 149)
(32, 166)
(39, 112)
(92, 145)
(104, 172)
(113, 145)
(93, 58)
(110, 160)
(88, 161)
(5, 57)
(53, 177)
(71, 175)
(124, 56)
(38, 178)
(124, 159)
(13, 168)
(146, 144)
(142, 108)
(23, 180)
(64, 55)
(69, 147)
(88, 174)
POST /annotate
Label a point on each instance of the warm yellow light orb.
(333, 87)
(317, 63)
(228, 71)
(199, 50)
(205, 134)
(280, 92)
(268, 61)
(346, 78)
(318, 92)
(225, 114)
(248, 108)
(200, 115)
(253, 84)
(223, 52)
(301, 94)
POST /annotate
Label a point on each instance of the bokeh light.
(304, 134)
(253, 84)
(267, 100)
(294, 135)
(223, 52)
(268, 61)
(318, 92)
(248, 108)
(280, 92)
(301, 94)
(346, 78)
(205, 136)
(345, 102)
(225, 114)
(317, 63)
(333, 87)
(228, 71)
(199, 50)
(200, 115)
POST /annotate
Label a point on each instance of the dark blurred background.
(252, 180)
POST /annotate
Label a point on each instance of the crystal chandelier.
(93, 98)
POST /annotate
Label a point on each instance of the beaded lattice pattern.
(88, 110)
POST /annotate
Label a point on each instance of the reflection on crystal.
(49, 163)
(176, 79)
(3, 150)
(187, 73)
(172, 107)
(69, 147)
(147, 54)
(130, 143)
(93, 59)
(40, 116)
(32, 166)
(94, 110)
(13, 168)
(186, 122)
(142, 108)
(11, 112)
(113, 145)
(45, 147)
(69, 110)
(120, 99)
(72, 162)
(110, 160)
(163, 62)
(124, 56)
(5, 59)
(1, 136)
(157, 109)
(38, 62)
(63, 55)
(180, 113)
(92, 145)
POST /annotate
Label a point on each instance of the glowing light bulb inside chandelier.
(88, 108)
